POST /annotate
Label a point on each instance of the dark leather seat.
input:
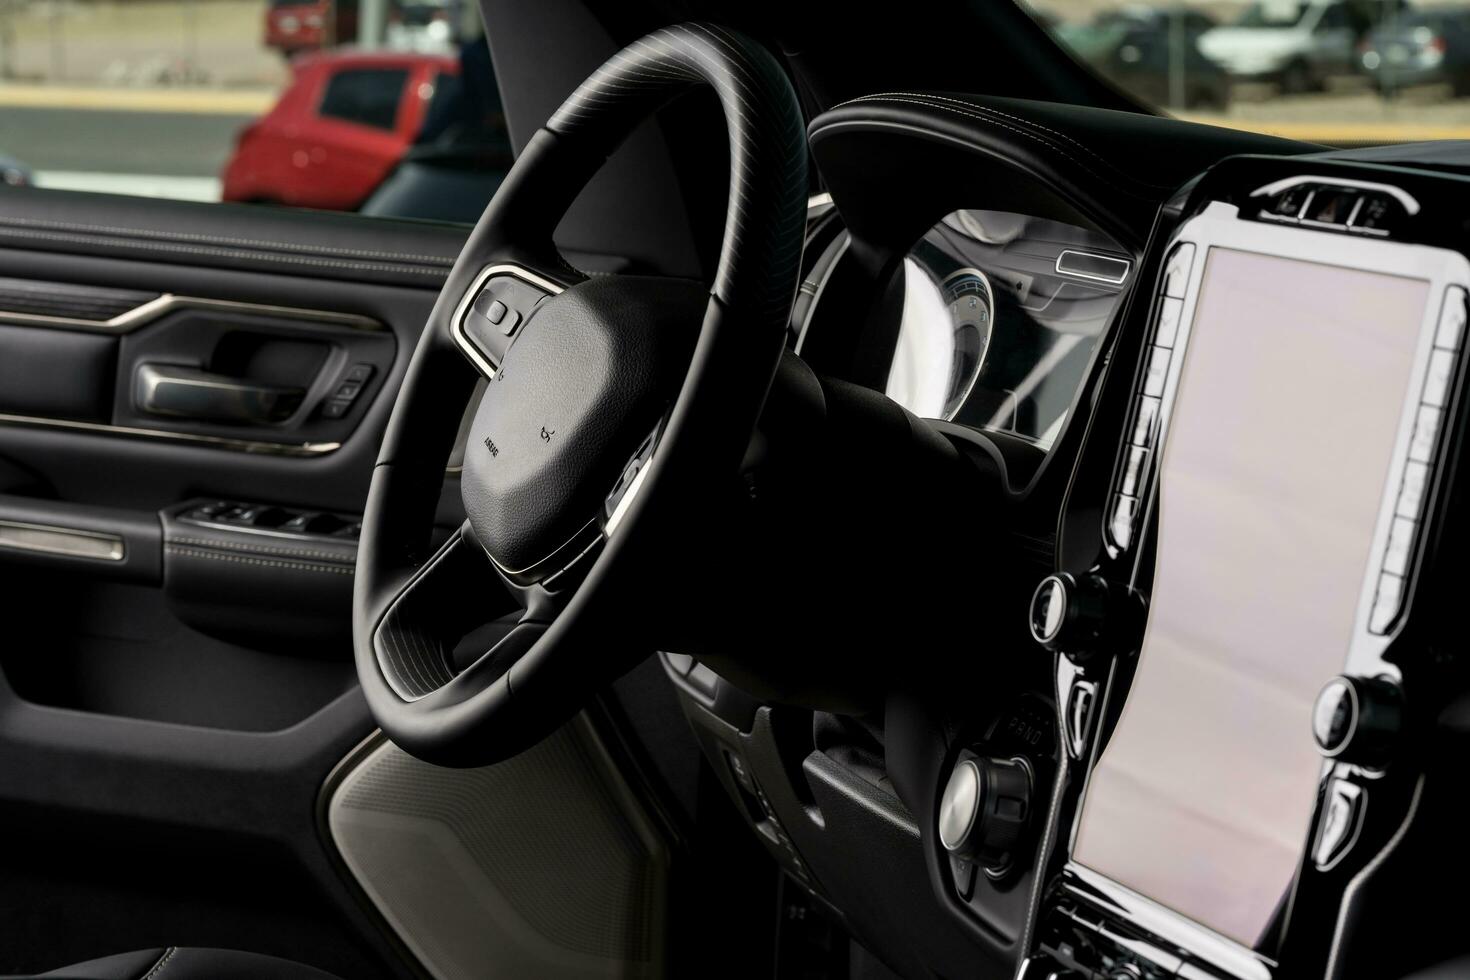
(175, 963)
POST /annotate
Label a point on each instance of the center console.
(1245, 663)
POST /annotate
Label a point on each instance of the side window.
(366, 96)
(388, 108)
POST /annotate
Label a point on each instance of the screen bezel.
(1218, 225)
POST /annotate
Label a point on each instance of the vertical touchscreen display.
(1273, 471)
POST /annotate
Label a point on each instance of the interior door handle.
(184, 392)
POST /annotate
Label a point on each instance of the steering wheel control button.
(625, 487)
(1358, 719)
(984, 811)
(1343, 804)
(494, 309)
(1069, 614)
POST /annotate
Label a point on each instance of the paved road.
(119, 142)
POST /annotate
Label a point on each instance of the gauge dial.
(971, 306)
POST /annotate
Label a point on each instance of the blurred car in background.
(1420, 47)
(1295, 44)
(337, 130)
(422, 25)
(461, 153)
(296, 26)
(1152, 53)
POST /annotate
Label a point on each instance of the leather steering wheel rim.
(550, 664)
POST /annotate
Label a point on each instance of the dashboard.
(1196, 728)
(999, 316)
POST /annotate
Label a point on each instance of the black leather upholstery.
(319, 245)
(762, 245)
(176, 963)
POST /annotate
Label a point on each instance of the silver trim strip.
(836, 251)
(183, 438)
(1397, 193)
(456, 322)
(168, 302)
(47, 539)
(626, 501)
(1117, 280)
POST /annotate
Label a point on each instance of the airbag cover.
(586, 380)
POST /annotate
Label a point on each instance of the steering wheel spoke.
(459, 615)
(496, 307)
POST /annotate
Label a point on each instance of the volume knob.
(1068, 614)
(984, 810)
(1357, 719)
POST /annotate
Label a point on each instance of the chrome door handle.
(184, 392)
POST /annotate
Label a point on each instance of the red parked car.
(337, 130)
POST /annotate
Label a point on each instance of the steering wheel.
(615, 407)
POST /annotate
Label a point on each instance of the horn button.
(586, 380)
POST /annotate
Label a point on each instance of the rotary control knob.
(1356, 719)
(1068, 614)
(984, 810)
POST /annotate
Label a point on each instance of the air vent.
(1093, 265)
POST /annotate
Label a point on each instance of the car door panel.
(162, 780)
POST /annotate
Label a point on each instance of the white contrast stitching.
(168, 954)
(234, 254)
(238, 559)
(222, 239)
(262, 549)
